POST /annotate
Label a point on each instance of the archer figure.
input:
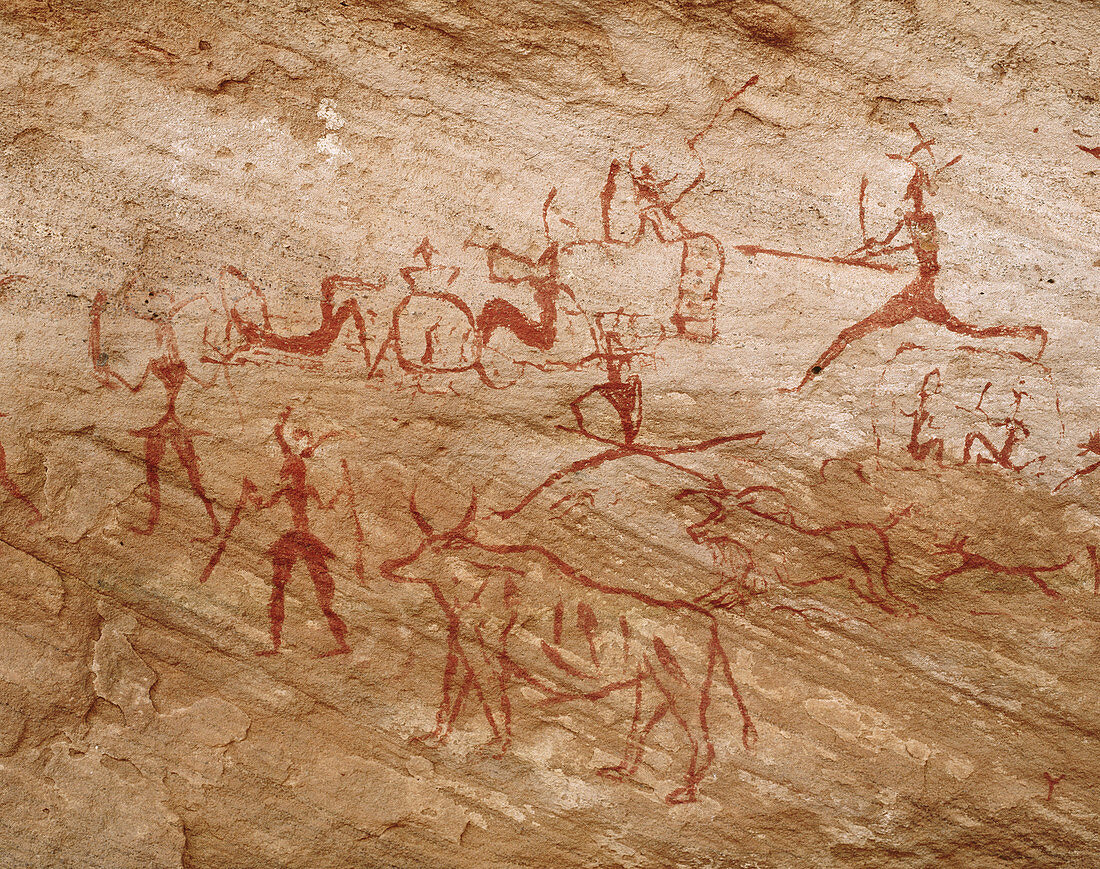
(316, 343)
(172, 372)
(298, 543)
(918, 300)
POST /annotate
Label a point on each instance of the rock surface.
(652, 433)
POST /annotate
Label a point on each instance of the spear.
(359, 572)
(753, 250)
(248, 490)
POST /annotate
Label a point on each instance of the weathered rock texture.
(673, 423)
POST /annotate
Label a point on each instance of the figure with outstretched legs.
(316, 343)
(918, 301)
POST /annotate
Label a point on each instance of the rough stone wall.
(650, 433)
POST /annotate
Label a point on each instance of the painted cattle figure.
(518, 615)
(756, 536)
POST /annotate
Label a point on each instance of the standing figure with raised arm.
(298, 543)
(168, 431)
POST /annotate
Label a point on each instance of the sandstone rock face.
(653, 433)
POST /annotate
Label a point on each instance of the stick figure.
(625, 397)
(1051, 782)
(297, 543)
(1015, 432)
(172, 371)
(918, 299)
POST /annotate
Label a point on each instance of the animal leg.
(450, 707)
(488, 669)
(649, 708)
(688, 706)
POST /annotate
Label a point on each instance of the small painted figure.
(918, 300)
(172, 371)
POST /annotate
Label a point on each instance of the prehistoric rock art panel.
(595, 641)
(940, 489)
(520, 615)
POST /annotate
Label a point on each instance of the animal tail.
(749, 736)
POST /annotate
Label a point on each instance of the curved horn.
(471, 512)
(279, 433)
(418, 517)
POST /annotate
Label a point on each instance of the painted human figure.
(624, 394)
(542, 277)
(298, 543)
(703, 257)
(317, 342)
(922, 419)
(918, 300)
(1015, 433)
(169, 431)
